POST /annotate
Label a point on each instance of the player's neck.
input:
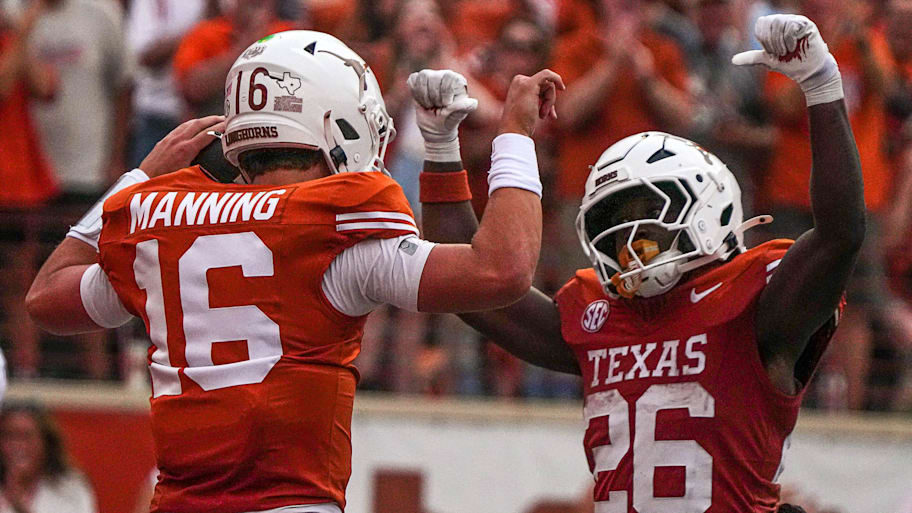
(287, 176)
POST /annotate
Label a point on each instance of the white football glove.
(792, 46)
(443, 102)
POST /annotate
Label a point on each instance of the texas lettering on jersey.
(252, 376)
(681, 414)
(616, 369)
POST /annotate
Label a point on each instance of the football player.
(694, 351)
(255, 294)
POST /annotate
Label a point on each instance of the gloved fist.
(792, 46)
(443, 102)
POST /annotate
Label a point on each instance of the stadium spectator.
(522, 46)
(674, 19)
(26, 174)
(897, 236)
(84, 129)
(420, 40)
(477, 23)
(23, 167)
(622, 78)
(209, 49)
(867, 71)
(600, 45)
(154, 30)
(729, 118)
(34, 474)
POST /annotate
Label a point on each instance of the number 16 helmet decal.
(306, 89)
(700, 205)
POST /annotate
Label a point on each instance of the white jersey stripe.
(375, 215)
(376, 226)
(772, 265)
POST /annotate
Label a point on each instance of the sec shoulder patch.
(595, 316)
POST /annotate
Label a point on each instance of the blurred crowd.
(88, 86)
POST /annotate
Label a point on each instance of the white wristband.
(442, 151)
(825, 86)
(514, 164)
(88, 227)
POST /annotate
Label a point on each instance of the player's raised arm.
(496, 269)
(808, 284)
(530, 328)
(71, 293)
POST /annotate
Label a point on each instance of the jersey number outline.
(204, 326)
(649, 453)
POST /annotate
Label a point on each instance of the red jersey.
(682, 416)
(252, 375)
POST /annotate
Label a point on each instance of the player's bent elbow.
(43, 306)
(511, 285)
(39, 306)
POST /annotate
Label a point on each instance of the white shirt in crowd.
(83, 41)
(70, 493)
(148, 22)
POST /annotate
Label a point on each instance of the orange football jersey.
(681, 414)
(252, 375)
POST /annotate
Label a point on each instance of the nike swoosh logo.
(696, 298)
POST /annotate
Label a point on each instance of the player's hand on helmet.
(792, 46)
(179, 147)
(443, 102)
(528, 100)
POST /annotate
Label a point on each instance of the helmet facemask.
(694, 216)
(637, 236)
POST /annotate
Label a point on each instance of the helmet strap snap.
(338, 157)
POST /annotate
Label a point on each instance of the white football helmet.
(702, 207)
(306, 89)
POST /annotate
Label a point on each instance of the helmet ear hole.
(685, 245)
(348, 131)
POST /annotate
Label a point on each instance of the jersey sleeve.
(375, 272)
(372, 205)
(100, 300)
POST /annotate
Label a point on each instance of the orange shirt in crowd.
(624, 111)
(209, 39)
(24, 171)
(477, 22)
(786, 182)
(330, 15)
